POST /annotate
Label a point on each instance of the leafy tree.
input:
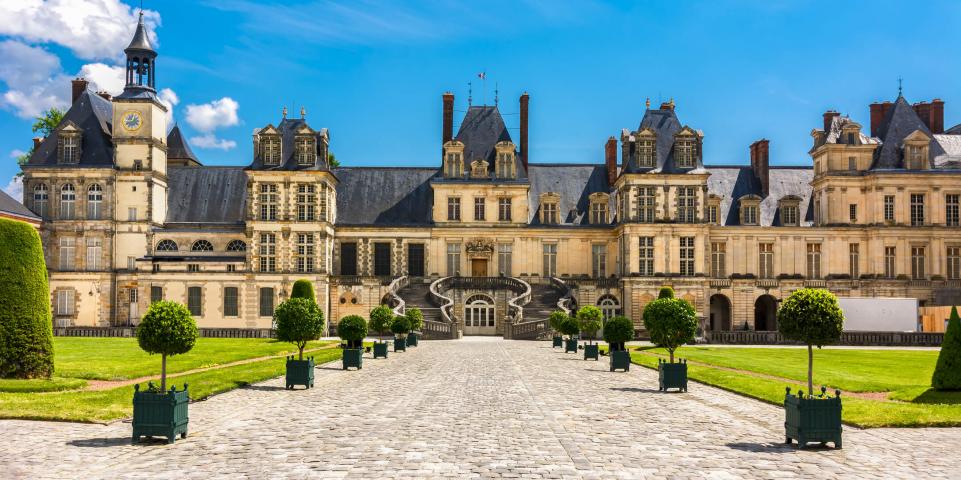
(44, 125)
(589, 320)
(380, 319)
(400, 325)
(332, 160)
(618, 331)
(303, 289)
(26, 329)
(666, 292)
(814, 317)
(570, 327)
(557, 316)
(352, 329)
(671, 322)
(168, 329)
(298, 321)
(416, 318)
(947, 373)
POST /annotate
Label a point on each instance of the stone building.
(487, 241)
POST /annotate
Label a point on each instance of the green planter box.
(812, 419)
(558, 342)
(380, 349)
(400, 344)
(353, 357)
(672, 375)
(412, 339)
(620, 360)
(570, 346)
(300, 372)
(592, 351)
(160, 414)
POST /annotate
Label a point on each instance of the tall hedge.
(947, 373)
(26, 327)
(303, 289)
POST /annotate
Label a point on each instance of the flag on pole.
(482, 75)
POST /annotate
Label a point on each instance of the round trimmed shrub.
(570, 327)
(589, 319)
(947, 373)
(416, 319)
(380, 319)
(814, 317)
(168, 329)
(352, 329)
(618, 331)
(557, 316)
(26, 327)
(298, 321)
(400, 325)
(671, 322)
(303, 289)
(665, 292)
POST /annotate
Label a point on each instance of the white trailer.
(879, 314)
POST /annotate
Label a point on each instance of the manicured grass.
(54, 384)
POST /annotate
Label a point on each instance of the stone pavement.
(477, 407)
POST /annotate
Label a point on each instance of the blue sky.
(373, 72)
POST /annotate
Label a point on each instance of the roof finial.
(671, 103)
(303, 112)
(495, 94)
(470, 93)
(284, 112)
(900, 89)
(647, 104)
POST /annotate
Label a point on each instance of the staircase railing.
(566, 302)
(515, 306)
(392, 289)
(445, 303)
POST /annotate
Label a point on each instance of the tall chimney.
(447, 130)
(104, 94)
(525, 99)
(79, 85)
(923, 109)
(36, 142)
(759, 164)
(828, 116)
(937, 116)
(877, 116)
(610, 159)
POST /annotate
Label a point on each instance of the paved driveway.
(477, 407)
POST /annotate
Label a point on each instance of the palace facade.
(486, 240)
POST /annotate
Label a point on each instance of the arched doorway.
(720, 319)
(479, 316)
(609, 306)
(765, 313)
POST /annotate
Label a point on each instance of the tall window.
(718, 259)
(550, 259)
(646, 255)
(306, 203)
(454, 167)
(889, 208)
(712, 214)
(504, 209)
(453, 209)
(480, 208)
(268, 201)
(230, 302)
(268, 252)
(68, 251)
(132, 214)
(382, 259)
(853, 212)
(305, 252)
(94, 253)
(65, 303)
(852, 163)
(915, 157)
(68, 200)
(917, 209)
(69, 144)
(599, 213)
(306, 152)
(789, 215)
(646, 203)
(271, 149)
(687, 256)
(266, 302)
(854, 259)
(749, 214)
(324, 196)
(890, 262)
(348, 258)
(645, 153)
(954, 263)
(195, 301)
(765, 260)
(917, 263)
(599, 260)
(156, 293)
(40, 199)
(686, 204)
(814, 260)
(550, 213)
(684, 153)
(505, 258)
(94, 202)
(951, 209)
(453, 259)
(505, 165)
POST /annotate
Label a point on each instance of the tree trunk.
(672, 355)
(301, 347)
(163, 373)
(810, 370)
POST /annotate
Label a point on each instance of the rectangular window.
(951, 202)
(65, 302)
(195, 301)
(268, 252)
(132, 214)
(765, 260)
(231, 268)
(917, 209)
(890, 262)
(348, 258)
(684, 153)
(268, 200)
(646, 204)
(814, 260)
(71, 148)
(599, 213)
(266, 302)
(889, 208)
(131, 263)
(954, 263)
(453, 259)
(917, 263)
(686, 204)
(712, 214)
(504, 209)
(915, 157)
(749, 215)
(550, 259)
(854, 259)
(789, 215)
(718, 259)
(156, 293)
(479, 209)
(853, 212)
(550, 213)
(94, 202)
(645, 153)
(453, 209)
(193, 267)
(505, 258)
(324, 196)
(687, 256)
(852, 163)
(306, 203)
(271, 150)
(382, 259)
(646, 254)
(599, 261)
(415, 259)
(94, 252)
(306, 152)
(306, 250)
(230, 302)
(68, 252)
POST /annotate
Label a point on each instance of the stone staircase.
(417, 294)
(544, 300)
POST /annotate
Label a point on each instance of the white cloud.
(104, 77)
(34, 79)
(210, 116)
(15, 188)
(170, 99)
(16, 153)
(209, 140)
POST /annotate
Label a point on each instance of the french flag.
(482, 75)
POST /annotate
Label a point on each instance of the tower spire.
(141, 57)
(900, 86)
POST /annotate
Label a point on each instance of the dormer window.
(915, 157)
(550, 208)
(504, 166)
(270, 149)
(916, 150)
(454, 159)
(550, 213)
(598, 212)
(750, 207)
(646, 149)
(713, 209)
(68, 146)
(478, 169)
(306, 150)
(684, 152)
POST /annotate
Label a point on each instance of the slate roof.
(955, 130)
(93, 114)
(665, 124)
(574, 183)
(731, 183)
(384, 195)
(900, 121)
(210, 195)
(177, 146)
(11, 206)
(140, 39)
(483, 127)
(288, 129)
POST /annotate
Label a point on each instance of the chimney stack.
(36, 142)
(610, 159)
(828, 117)
(877, 116)
(525, 99)
(932, 114)
(105, 95)
(79, 86)
(760, 156)
(447, 130)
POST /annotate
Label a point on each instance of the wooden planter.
(400, 344)
(570, 346)
(412, 339)
(671, 375)
(353, 357)
(812, 419)
(592, 351)
(160, 414)
(558, 342)
(300, 372)
(380, 349)
(620, 359)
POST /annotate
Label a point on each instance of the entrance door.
(479, 316)
(415, 259)
(478, 267)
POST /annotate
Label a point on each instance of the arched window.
(202, 246)
(40, 197)
(609, 306)
(68, 200)
(94, 202)
(237, 246)
(167, 246)
(479, 311)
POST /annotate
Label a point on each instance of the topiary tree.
(665, 292)
(947, 373)
(380, 319)
(671, 322)
(416, 319)
(298, 321)
(352, 329)
(589, 320)
(168, 329)
(303, 289)
(618, 331)
(400, 325)
(26, 328)
(814, 317)
(570, 327)
(556, 318)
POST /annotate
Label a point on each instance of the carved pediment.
(478, 168)
(480, 247)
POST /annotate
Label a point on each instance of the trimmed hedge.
(671, 322)
(353, 330)
(303, 289)
(380, 319)
(416, 318)
(298, 321)
(618, 331)
(26, 327)
(400, 325)
(947, 373)
(589, 319)
(570, 327)
(556, 318)
(814, 317)
(666, 292)
(168, 329)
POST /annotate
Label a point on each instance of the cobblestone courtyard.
(477, 407)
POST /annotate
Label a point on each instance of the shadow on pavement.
(636, 390)
(770, 447)
(113, 442)
(264, 388)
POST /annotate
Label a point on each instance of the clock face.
(131, 121)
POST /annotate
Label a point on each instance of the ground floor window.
(954, 263)
(266, 302)
(156, 293)
(230, 302)
(687, 256)
(195, 301)
(609, 307)
(479, 312)
(65, 302)
(504, 258)
(550, 259)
